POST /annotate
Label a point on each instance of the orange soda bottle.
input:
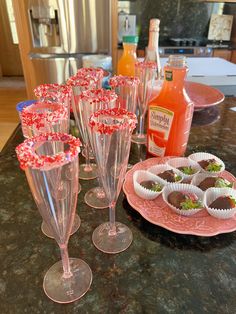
(127, 61)
(170, 113)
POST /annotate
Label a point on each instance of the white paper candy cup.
(211, 195)
(142, 175)
(199, 177)
(203, 156)
(163, 167)
(185, 188)
(184, 162)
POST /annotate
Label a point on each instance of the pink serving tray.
(158, 213)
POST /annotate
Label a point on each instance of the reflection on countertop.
(206, 116)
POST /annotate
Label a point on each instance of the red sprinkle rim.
(96, 73)
(98, 95)
(120, 80)
(103, 128)
(80, 81)
(54, 91)
(54, 112)
(149, 65)
(28, 157)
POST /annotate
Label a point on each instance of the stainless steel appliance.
(191, 47)
(63, 31)
(187, 51)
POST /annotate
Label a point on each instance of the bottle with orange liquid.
(126, 64)
(170, 113)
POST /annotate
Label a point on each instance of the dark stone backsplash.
(179, 18)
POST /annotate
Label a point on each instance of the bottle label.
(169, 75)
(160, 122)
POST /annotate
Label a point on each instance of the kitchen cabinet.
(141, 53)
(222, 53)
(233, 57)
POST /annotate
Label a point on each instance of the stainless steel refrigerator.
(63, 31)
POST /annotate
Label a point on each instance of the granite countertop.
(161, 272)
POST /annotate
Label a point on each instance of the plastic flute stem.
(87, 159)
(112, 231)
(65, 261)
(100, 191)
(141, 125)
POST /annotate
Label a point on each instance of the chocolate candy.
(223, 202)
(207, 183)
(169, 175)
(176, 198)
(152, 185)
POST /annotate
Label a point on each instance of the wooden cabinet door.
(233, 56)
(222, 53)
(9, 53)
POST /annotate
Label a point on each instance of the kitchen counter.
(161, 272)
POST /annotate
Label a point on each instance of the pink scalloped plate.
(158, 213)
(202, 95)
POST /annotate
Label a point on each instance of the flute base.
(139, 139)
(96, 198)
(48, 233)
(66, 290)
(112, 244)
(88, 174)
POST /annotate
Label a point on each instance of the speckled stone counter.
(161, 272)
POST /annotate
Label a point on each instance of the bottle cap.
(130, 39)
(154, 25)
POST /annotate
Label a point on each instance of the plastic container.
(126, 64)
(20, 106)
(23, 104)
(97, 61)
(170, 113)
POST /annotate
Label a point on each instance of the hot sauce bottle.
(170, 113)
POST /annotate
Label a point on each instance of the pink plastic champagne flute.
(42, 117)
(126, 88)
(58, 93)
(111, 131)
(68, 279)
(91, 101)
(146, 72)
(97, 74)
(79, 84)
